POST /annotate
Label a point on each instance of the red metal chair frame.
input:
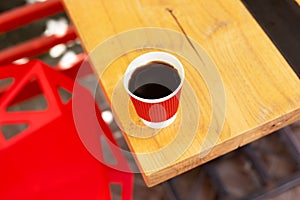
(48, 160)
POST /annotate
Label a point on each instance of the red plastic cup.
(161, 112)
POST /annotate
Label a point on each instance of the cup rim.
(154, 56)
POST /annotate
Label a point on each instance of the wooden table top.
(238, 86)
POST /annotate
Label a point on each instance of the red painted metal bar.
(18, 17)
(24, 15)
(35, 46)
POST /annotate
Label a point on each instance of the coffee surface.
(154, 80)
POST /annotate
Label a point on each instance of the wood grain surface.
(261, 91)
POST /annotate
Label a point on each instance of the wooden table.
(260, 94)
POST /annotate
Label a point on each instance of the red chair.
(46, 159)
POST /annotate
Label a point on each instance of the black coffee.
(154, 80)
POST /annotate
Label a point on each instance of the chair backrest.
(46, 159)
